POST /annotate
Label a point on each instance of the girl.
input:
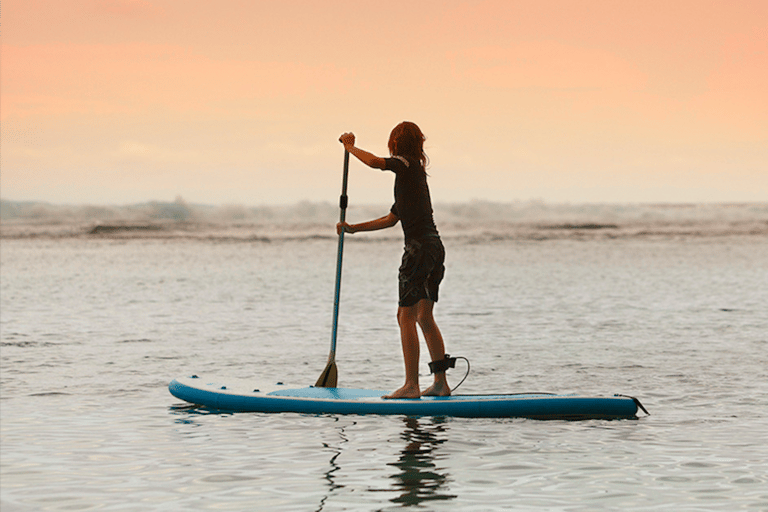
(422, 266)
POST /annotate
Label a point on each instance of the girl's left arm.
(384, 222)
(369, 159)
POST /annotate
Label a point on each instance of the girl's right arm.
(369, 159)
(372, 225)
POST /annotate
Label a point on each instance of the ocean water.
(100, 307)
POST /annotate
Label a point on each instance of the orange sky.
(120, 101)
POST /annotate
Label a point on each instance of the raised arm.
(369, 159)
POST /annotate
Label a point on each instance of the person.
(422, 266)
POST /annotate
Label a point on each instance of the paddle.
(329, 377)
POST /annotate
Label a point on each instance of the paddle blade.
(329, 377)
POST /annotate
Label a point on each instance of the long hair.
(407, 140)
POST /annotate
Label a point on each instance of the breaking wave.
(475, 220)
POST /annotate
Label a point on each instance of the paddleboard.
(279, 398)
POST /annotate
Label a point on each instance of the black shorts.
(422, 270)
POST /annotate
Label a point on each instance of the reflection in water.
(419, 478)
(330, 475)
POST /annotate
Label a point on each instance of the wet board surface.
(240, 396)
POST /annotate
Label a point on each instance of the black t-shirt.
(413, 205)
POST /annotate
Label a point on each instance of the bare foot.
(439, 388)
(407, 391)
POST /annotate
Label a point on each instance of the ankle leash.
(441, 365)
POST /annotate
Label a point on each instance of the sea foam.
(533, 220)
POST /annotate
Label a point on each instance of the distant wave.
(475, 220)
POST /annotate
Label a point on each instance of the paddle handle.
(343, 200)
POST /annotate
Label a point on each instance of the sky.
(242, 102)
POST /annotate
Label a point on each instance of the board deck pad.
(244, 396)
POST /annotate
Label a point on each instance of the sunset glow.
(119, 101)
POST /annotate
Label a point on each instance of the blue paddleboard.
(244, 397)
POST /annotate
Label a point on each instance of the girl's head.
(407, 140)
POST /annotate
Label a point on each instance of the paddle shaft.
(337, 295)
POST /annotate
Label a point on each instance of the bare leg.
(409, 337)
(435, 344)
